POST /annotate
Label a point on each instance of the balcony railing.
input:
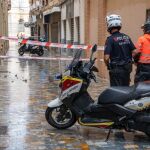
(44, 5)
(36, 6)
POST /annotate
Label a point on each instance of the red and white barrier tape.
(49, 44)
(43, 58)
(8, 38)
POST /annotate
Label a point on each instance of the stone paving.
(26, 87)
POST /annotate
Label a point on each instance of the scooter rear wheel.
(40, 52)
(60, 119)
(148, 134)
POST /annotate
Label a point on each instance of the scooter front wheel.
(60, 117)
(21, 51)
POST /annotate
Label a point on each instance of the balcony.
(36, 6)
(42, 5)
(48, 5)
(32, 7)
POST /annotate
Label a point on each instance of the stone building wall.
(134, 13)
(3, 25)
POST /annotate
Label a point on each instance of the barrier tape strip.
(43, 58)
(49, 44)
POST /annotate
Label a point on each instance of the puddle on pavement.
(26, 89)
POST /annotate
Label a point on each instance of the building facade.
(5, 6)
(134, 13)
(83, 21)
(45, 17)
(19, 11)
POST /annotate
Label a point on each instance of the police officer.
(142, 55)
(118, 52)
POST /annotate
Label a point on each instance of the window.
(72, 30)
(78, 28)
(46, 2)
(64, 30)
(148, 14)
(43, 2)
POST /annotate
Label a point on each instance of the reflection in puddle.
(18, 105)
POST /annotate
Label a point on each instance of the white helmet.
(113, 21)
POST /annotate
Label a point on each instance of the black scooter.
(117, 107)
(32, 49)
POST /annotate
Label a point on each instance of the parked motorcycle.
(32, 49)
(117, 107)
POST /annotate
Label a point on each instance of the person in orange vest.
(142, 55)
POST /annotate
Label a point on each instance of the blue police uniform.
(119, 47)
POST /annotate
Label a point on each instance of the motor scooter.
(116, 108)
(32, 49)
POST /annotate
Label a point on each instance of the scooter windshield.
(76, 59)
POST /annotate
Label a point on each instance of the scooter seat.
(143, 89)
(116, 95)
(122, 95)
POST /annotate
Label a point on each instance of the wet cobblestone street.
(26, 87)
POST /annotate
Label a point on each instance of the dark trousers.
(120, 75)
(142, 73)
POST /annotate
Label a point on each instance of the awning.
(53, 10)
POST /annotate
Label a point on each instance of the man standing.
(142, 55)
(118, 52)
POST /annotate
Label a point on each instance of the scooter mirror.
(94, 48)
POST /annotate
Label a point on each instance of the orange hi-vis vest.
(143, 47)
